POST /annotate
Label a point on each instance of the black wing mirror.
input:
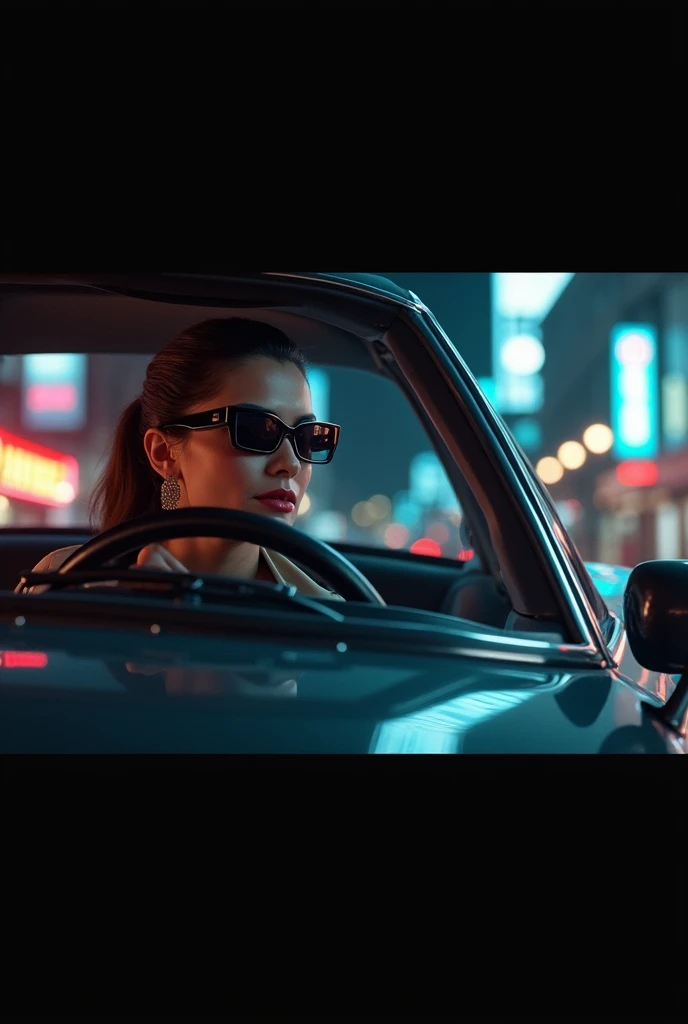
(656, 617)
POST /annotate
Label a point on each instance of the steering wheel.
(230, 525)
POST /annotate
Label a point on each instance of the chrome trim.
(367, 290)
(511, 466)
(485, 645)
(617, 642)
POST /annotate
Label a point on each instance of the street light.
(598, 439)
(572, 455)
(550, 470)
(522, 355)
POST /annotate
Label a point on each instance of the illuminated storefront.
(644, 509)
(617, 358)
(32, 473)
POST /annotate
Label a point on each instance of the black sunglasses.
(252, 430)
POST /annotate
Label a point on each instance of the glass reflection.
(439, 730)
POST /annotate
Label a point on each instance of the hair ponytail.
(128, 485)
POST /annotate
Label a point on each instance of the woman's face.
(211, 472)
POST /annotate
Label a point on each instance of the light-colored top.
(280, 566)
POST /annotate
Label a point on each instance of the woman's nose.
(285, 458)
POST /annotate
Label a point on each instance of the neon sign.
(634, 391)
(637, 473)
(54, 391)
(34, 473)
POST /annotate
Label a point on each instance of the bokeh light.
(396, 536)
(380, 505)
(364, 514)
(572, 455)
(598, 438)
(439, 532)
(637, 473)
(550, 470)
(634, 349)
(522, 355)
(426, 546)
(64, 492)
(304, 506)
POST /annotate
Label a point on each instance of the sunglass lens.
(256, 431)
(316, 441)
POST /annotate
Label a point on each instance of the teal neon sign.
(634, 391)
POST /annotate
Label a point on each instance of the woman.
(225, 420)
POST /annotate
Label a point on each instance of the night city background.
(590, 372)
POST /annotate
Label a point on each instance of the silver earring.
(170, 493)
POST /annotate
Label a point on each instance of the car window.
(579, 567)
(385, 488)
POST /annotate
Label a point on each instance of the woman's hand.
(155, 556)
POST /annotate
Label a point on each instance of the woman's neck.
(214, 556)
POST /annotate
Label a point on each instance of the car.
(506, 643)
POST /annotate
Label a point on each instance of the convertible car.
(479, 631)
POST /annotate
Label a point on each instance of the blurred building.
(57, 416)
(617, 355)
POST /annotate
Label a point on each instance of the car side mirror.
(656, 615)
(656, 618)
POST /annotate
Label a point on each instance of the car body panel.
(231, 696)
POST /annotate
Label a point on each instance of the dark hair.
(185, 372)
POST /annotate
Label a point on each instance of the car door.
(595, 581)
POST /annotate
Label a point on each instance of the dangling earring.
(170, 493)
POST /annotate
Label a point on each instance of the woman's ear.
(159, 452)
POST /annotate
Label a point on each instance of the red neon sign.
(637, 473)
(51, 398)
(35, 473)
(23, 659)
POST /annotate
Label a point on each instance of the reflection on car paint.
(439, 730)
